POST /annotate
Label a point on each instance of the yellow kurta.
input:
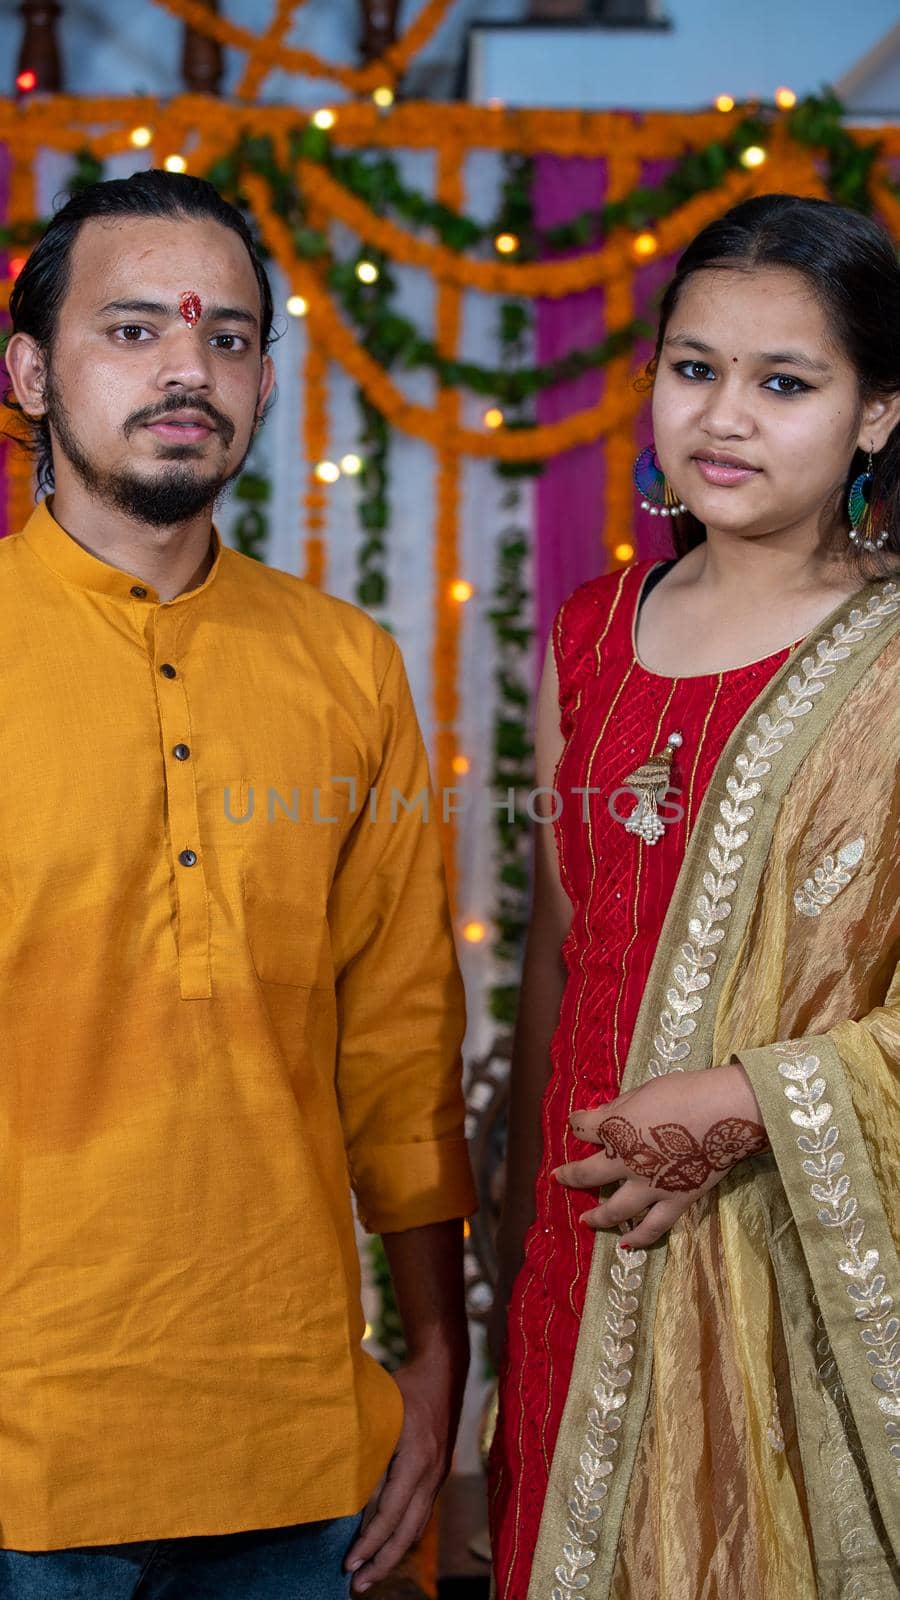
(212, 1029)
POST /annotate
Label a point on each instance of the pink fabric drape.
(569, 533)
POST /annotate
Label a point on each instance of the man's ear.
(27, 373)
(266, 384)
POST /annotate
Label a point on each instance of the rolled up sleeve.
(401, 1009)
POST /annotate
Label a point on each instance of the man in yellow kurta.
(230, 991)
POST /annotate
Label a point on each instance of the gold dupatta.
(751, 1360)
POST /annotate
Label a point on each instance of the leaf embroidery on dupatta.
(829, 878)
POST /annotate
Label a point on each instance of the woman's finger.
(628, 1203)
(591, 1173)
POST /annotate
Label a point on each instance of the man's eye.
(229, 342)
(130, 332)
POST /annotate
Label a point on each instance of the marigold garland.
(259, 63)
(624, 173)
(553, 279)
(448, 611)
(531, 444)
(270, 51)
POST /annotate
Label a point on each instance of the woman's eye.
(681, 365)
(785, 377)
(232, 342)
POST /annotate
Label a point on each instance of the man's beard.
(175, 494)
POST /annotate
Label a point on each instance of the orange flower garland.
(272, 52)
(259, 62)
(447, 626)
(553, 279)
(624, 174)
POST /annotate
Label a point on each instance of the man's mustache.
(181, 402)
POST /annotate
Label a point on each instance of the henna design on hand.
(680, 1163)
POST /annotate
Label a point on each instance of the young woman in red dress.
(767, 399)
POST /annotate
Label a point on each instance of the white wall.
(713, 47)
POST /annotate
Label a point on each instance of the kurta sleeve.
(400, 999)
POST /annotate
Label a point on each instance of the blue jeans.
(302, 1562)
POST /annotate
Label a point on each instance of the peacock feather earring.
(859, 505)
(660, 498)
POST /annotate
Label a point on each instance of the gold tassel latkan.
(650, 783)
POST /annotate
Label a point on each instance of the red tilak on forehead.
(190, 307)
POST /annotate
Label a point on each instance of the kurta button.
(181, 751)
(167, 670)
(188, 858)
(138, 592)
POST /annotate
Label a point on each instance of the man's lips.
(724, 471)
(181, 430)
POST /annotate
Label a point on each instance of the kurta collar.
(59, 551)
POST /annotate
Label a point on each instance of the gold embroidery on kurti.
(829, 878)
(677, 1022)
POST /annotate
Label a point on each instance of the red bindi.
(190, 307)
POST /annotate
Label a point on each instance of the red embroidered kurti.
(614, 715)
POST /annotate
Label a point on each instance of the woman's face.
(749, 373)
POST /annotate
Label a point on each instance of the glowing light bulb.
(383, 96)
(493, 417)
(753, 156)
(351, 464)
(506, 244)
(467, 1228)
(327, 471)
(645, 244)
(369, 1331)
(495, 103)
(26, 81)
(140, 138)
(16, 265)
(785, 99)
(367, 272)
(461, 590)
(724, 102)
(324, 119)
(623, 552)
(175, 164)
(461, 764)
(296, 305)
(474, 932)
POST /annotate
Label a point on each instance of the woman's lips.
(717, 472)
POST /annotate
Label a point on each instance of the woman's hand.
(665, 1143)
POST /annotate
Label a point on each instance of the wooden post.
(201, 61)
(39, 51)
(379, 27)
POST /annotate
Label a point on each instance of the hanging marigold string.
(272, 52)
(259, 61)
(448, 608)
(529, 444)
(624, 173)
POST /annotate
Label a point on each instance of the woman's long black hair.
(40, 289)
(851, 264)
